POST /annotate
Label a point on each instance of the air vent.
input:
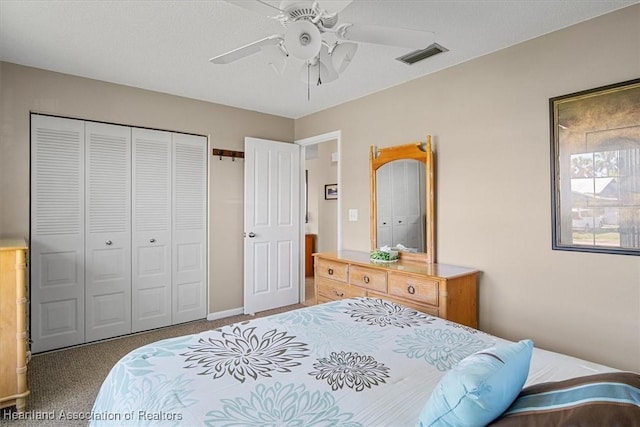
(418, 55)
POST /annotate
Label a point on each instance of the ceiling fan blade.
(258, 6)
(246, 50)
(385, 35)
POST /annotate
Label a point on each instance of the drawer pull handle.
(330, 271)
(366, 279)
(341, 294)
(411, 289)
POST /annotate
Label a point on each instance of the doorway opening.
(321, 229)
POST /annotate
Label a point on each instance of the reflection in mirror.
(401, 209)
(402, 199)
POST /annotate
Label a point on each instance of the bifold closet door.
(415, 214)
(57, 233)
(189, 231)
(118, 230)
(151, 216)
(384, 214)
(107, 230)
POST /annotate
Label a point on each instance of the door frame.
(305, 142)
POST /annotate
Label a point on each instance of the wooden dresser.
(13, 326)
(441, 290)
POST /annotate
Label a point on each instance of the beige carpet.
(67, 381)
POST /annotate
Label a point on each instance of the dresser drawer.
(331, 269)
(332, 290)
(369, 278)
(425, 308)
(415, 288)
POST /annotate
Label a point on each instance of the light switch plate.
(353, 214)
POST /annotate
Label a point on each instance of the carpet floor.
(65, 383)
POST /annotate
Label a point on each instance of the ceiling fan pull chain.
(308, 81)
(319, 68)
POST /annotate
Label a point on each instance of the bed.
(354, 362)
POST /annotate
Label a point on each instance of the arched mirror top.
(402, 199)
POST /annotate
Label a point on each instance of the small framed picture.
(331, 191)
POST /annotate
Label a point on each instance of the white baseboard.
(226, 313)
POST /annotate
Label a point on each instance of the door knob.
(252, 234)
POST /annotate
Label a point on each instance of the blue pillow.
(479, 388)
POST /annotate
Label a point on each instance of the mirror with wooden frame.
(402, 200)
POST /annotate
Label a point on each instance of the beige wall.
(24, 89)
(490, 123)
(327, 209)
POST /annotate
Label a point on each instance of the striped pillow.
(609, 399)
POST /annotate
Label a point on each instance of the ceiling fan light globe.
(330, 72)
(342, 54)
(303, 40)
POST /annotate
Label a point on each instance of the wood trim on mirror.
(417, 151)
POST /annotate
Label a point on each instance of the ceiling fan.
(313, 35)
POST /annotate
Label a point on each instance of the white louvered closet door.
(57, 232)
(399, 197)
(384, 214)
(107, 230)
(415, 214)
(189, 227)
(151, 240)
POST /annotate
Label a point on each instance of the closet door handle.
(252, 234)
(108, 243)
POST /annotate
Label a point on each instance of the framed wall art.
(595, 169)
(331, 191)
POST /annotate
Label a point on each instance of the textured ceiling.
(164, 45)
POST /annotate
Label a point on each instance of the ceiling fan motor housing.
(308, 11)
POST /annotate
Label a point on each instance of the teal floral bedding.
(355, 362)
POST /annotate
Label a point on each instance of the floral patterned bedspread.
(355, 362)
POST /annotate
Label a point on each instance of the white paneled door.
(57, 232)
(107, 230)
(151, 223)
(271, 224)
(189, 253)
